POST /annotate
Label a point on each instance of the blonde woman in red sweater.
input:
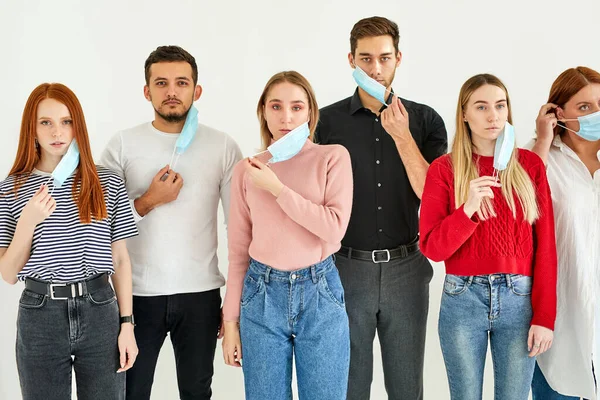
(487, 213)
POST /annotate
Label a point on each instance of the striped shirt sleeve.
(122, 222)
(8, 223)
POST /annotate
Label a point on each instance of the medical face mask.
(505, 144)
(186, 136)
(289, 145)
(370, 85)
(67, 165)
(589, 126)
(190, 127)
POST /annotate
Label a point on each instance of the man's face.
(171, 90)
(377, 56)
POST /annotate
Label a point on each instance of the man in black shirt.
(385, 276)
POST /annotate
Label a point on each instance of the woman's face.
(486, 112)
(54, 128)
(286, 107)
(584, 102)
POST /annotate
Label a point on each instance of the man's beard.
(173, 117)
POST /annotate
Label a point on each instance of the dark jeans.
(192, 319)
(391, 299)
(50, 331)
(541, 390)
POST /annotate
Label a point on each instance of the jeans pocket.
(455, 284)
(30, 299)
(252, 285)
(521, 284)
(332, 286)
(103, 296)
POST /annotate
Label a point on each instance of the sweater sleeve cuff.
(544, 320)
(464, 220)
(284, 196)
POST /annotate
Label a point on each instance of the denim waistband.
(312, 272)
(492, 278)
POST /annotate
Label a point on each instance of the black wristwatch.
(128, 319)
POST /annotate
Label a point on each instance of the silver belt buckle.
(386, 251)
(52, 295)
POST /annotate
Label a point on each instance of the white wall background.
(98, 50)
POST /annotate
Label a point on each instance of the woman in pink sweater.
(290, 207)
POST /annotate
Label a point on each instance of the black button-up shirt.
(385, 207)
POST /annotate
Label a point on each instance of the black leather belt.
(64, 291)
(380, 256)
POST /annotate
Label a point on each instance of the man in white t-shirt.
(176, 279)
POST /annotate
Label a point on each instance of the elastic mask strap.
(569, 129)
(48, 182)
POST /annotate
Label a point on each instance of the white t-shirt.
(176, 250)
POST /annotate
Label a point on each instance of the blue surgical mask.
(186, 136)
(67, 165)
(370, 85)
(505, 145)
(289, 145)
(589, 126)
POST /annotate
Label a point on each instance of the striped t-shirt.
(64, 249)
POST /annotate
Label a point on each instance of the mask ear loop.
(166, 175)
(564, 126)
(47, 182)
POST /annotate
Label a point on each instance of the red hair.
(87, 190)
(568, 84)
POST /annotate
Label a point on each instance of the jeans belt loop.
(313, 273)
(267, 272)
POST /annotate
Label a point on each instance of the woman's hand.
(128, 349)
(539, 340)
(546, 122)
(232, 344)
(263, 177)
(38, 208)
(479, 189)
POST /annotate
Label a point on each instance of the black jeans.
(192, 319)
(50, 331)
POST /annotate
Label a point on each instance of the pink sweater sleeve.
(330, 220)
(239, 236)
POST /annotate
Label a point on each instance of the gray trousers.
(391, 299)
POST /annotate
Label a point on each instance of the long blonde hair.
(295, 78)
(514, 180)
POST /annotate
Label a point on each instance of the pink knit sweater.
(301, 227)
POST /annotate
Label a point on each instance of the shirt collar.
(557, 142)
(356, 103)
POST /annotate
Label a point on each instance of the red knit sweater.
(502, 244)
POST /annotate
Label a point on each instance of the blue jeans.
(541, 390)
(294, 313)
(474, 308)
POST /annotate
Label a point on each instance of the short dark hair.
(374, 26)
(170, 54)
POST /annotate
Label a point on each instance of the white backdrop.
(98, 50)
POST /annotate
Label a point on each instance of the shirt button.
(377, 139)
(380, 230)
(377, 162)
(293, 276)
(379, 208)
(379, 185)
(376, 119)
